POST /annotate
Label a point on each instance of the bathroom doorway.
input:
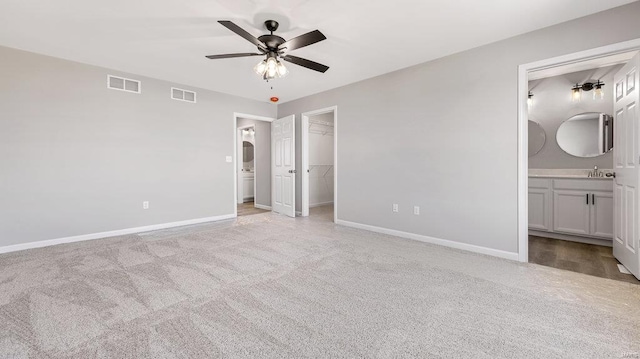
(319, 164)
(567, 161)
(252, 164)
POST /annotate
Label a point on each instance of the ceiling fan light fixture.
(282, 70)
(261, 67)
(272, 68)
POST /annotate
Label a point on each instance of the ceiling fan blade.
(228, 56)
(302, 41)
(306, 63)
(240, 31)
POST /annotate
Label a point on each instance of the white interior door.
(627, 166)
(283, 144)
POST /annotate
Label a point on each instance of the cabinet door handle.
(593, 199)
(587, 198)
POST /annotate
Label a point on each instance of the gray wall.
(443, 134)
(263, 159)
(552, 105)
(78, 158)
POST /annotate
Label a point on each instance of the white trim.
(124, 84)
(253, 117)
(523, 117)
(234, 168)
(261, 206)
(305, 159)
(121, 232)
(432, 240)
(304, 178)
(195, 95)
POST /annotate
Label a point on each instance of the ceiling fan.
(274, 48)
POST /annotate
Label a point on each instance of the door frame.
(523, 117)
(236, 116)
(304, 144)
(240, 149)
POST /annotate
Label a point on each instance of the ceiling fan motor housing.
(272, 41)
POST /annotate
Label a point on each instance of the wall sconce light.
(575, 93)
(530, 99)
(598, 93)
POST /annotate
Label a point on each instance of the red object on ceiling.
(275, 99)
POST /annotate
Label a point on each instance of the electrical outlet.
(229, 159)
(145, 205)
(416, 210)
(395, 207)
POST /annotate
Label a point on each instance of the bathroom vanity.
(248, 179)
(568, 204)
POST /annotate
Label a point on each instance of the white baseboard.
(320, 204)
(262, 206)
(86, 237)
(567, 237)
(442, 242)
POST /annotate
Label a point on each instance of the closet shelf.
(320, 127)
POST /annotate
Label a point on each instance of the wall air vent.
(122, 84)
(183, 95)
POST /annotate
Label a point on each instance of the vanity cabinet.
(540, 204)
(580, 207)
(602, 214)
(571, 212)
(247, 186)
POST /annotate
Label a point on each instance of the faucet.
(595, 172)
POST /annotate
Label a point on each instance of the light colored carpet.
(271, 286)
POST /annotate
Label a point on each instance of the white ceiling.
(168, 39)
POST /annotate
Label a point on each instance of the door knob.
(292, 171)
(612, 174)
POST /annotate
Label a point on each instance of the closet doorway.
(319, 162)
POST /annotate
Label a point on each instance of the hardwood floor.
(247, 209)
(577, 257)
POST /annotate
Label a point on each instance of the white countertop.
(568, 173)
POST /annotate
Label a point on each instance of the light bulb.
(260, 67)
(282, 70)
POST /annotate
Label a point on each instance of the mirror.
(537, 138)
(588, 134)
(247, 151)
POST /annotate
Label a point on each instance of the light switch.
(229, 159)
